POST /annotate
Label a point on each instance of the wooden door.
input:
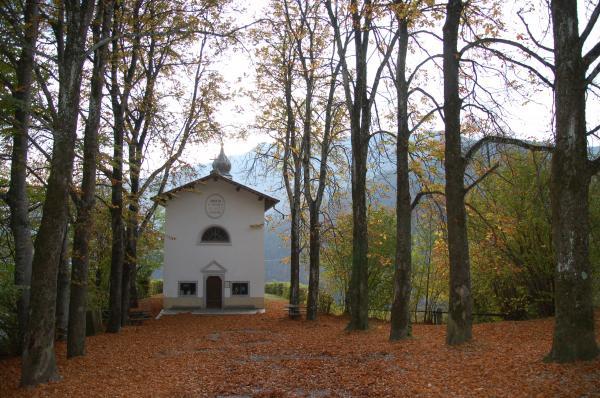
(214, 296)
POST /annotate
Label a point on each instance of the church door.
(214, 292)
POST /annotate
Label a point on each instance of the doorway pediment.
(214, 267)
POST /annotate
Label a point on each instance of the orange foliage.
(271, 356)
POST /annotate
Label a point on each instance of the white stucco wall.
(243, 258)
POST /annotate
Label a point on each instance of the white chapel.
(214, 242)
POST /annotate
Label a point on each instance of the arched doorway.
(214, 292)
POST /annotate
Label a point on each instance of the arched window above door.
(215, 234)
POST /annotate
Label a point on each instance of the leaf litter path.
(269, 355)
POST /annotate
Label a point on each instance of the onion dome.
(222, 165)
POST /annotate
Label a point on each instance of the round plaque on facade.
(215, 206)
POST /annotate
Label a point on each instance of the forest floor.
(270, 355)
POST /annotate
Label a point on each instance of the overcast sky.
(531, 120)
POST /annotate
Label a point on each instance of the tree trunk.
(131, 248)
(461, 302)
(129, 264)
(292, 165)
(119, 106)
(360, 121)
(400, 316)
(85, 205)
(17, 198)
(313, 209)
(359, 289)
(39, 361)
(117, 272)
(574, 323)
(62, 291)
(295, 250)
(132, 234)
(131, 254)
(314, 262)
(359, 100)
(125, 286)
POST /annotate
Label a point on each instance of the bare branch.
(481, 178)
(383, 132)
(591, 55)
(488, 40)
(591, 23)
(590, 78)
(421, 195)
(594, 130)
(533, 39)
(507, 141)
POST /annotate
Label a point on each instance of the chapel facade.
(214, 242)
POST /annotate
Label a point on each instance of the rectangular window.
(239, 288)
(187, 288)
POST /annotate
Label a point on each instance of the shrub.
(156, 287)
(282, 289)
(325, 302)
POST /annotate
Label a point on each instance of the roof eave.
(164, 197)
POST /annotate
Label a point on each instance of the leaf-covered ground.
(271, 356)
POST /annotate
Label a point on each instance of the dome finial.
(222, 165)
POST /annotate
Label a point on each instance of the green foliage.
(282, 289)
(429, 262)
(150, 256)
(326, 302)
(337, 257)
(9, 326)
(156, 287)
(429, 277)
(510, 238)
(595, 237)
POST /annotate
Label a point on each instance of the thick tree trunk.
(400, 316)
(360, 122)
(129, 264)
(85, 205)
(119, 106)
(39, 361)
(131, 248)
(125, 286)
(131, 255)
(292, 165)
(314, 262)
(313, 210)
(574, 337)
(295, 251)
(359, 292)
(129, 298)
(17, 198)
(62, 290)
(461, 302)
